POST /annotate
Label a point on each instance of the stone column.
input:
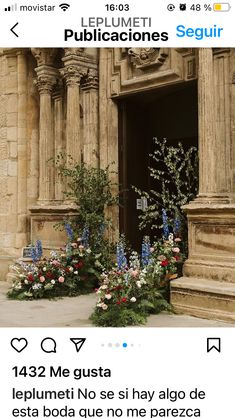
(21, 237)
(90, 88)
(59, 139)
(208, 286)
(46, 79)
(213, 135)
(72, 74)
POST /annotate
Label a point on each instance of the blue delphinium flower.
(38, 248)
(146, 253)
(69, 231)
(121, 257)
(177, 226)
(165, 224)
(34, 254)
(85, 236)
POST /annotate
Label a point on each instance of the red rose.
(164, 263)
(118, 302)
(49, 275)
(177, 258)
(30, 278)
(78, 265)
(124, 300)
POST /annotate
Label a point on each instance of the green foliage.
(117, 317)
(92, 190)
(174, 171)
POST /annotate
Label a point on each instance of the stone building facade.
(103, 106)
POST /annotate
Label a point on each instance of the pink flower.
(176, 250)
(61, 279)
(177, 240)
(152, 249)
(74, 245)
(55, 263)
(134, 273)
(42, 279)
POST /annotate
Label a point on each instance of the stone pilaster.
(59, 139)
(213, 107)
(46, 80)
(72, 74)
(90, 102)
(21, 236)
(208, 286)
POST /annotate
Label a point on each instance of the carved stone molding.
(46, 79)
(44, 56)
(73, 74)
(73, 51)
(91, 80)
(147, 57)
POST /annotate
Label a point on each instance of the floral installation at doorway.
(133, 290)
(72, 271)
(174, 172)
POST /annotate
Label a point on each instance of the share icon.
(78, 342)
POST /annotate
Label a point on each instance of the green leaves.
(174, 170)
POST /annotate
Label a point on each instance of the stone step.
(204, 298)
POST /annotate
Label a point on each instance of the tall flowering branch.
(85, 236)
(121, 257)
(165, 224)
(177, 226)
(39, 250)
(146, 253)
(69, 231)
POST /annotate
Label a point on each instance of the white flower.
(26, 281)
(75, 272)
(108, 296)
(104, 286)
(138, 284)
(88, 250)
(21, 276)
(52, 281)
(36, 286)
(133, 299)
(18, 286)
(104, 307)
(171, 238)
(44, 269)
(176, 249)
(70, 268)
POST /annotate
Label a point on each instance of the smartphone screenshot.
(117, 208)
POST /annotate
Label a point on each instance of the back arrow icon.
(13, 27)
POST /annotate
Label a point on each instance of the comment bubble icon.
(48, 345)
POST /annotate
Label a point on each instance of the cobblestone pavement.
(75, 312)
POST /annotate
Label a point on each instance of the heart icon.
(19, 344)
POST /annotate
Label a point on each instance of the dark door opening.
(165, 113)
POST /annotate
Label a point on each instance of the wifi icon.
(64, 6)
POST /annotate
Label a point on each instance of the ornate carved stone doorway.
(169, 112)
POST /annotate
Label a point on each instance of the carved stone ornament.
(44, 56)
(72, 74)
(147, 57)
(45, 83)
(91, 80)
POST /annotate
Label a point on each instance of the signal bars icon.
(64, 6)
(12, 8)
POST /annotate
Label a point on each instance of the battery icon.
(221, 7)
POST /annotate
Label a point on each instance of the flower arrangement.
(72, 271)
(131, 291)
